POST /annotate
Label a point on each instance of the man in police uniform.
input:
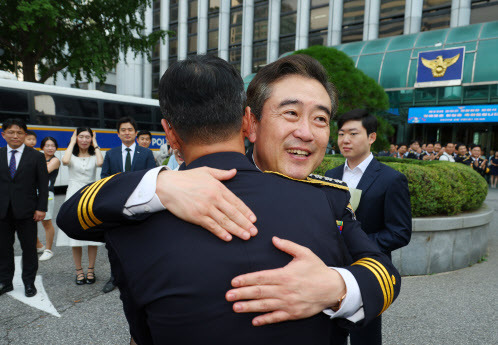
(477, 163)
(462, 155)
(414, 148)
(370, 269)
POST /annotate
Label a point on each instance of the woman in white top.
(82, 157)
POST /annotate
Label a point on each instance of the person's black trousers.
(371, 334)
(26, 233)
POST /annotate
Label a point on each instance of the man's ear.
(173, 139)
(252, 125)
(372, 137)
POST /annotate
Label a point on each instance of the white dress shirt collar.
(132, 147)
(362, 166)
(20, 149)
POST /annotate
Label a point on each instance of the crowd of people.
(471, 155)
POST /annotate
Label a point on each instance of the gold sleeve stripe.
(83, 202)
(309, 180)
(92, 199)
(387, 284)
(84, 189)
(380, 280)
(80, 203)
(389, 278)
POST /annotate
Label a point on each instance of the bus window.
(67, 121)
(13, 104)
(56, 105)
(115, 111)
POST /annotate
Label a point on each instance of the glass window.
(261, 30)
(115, 110)
(288, 24)
(173, 14)
(318, 38)
(370, 65)
(213, 39)
(315, 3)
(375, 46)
(287, 45)
(214, 5)
(489, 30)
(352, 33)
(392, 14)
(156, 50)
(486, 68)
(436, 14)
(173, 47)
(394, 69)
(235, 34)
(288, 5)
(57, 105)
(109, 88)
(192, 43)
(261, 12)
(353, 48)
(13, 101)
(483, 11)
(463, 34)
(67, 121)
(192, 8)
(426, 95)
(353, 11)
(319, 18)
(236, 3)
(213, 23)
(236, 17)
(156, 19)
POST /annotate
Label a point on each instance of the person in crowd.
(308, 107)
(429, 154)
(30, 139)
(82, 157)
(478, 164)
(437, 147)
(423, 147)
(125, 158)
(49, 146)
(177, 157)
(493, 169)
(414, 151)
(144, 138)
(449, 149)
(384, 210)
(491, 155)
(462, 155)
(402, 150)
(393, 150)
(23, 202)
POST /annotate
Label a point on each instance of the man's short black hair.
(28, 132)
(14, 122)
(473, 146)
(402, 144)
(414, 141)
(203, 98)
(368, 121)
(437, 142)
(446, 143)
(144, 132)
(457, 146)
(126, 119)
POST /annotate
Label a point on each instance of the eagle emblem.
(439, 65)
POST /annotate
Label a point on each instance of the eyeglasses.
(12, 133)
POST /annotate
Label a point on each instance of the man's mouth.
(299, 153)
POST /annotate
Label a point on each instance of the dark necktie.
(128, 160)
(12, 166)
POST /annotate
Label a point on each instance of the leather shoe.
(29, 290)
(109, 286)
(4, 287)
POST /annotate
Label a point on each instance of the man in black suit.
(173, 277)
(384, 210)
(125, 158)
(23, 202)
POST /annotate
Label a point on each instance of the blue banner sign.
(460, 114)
(440, 67)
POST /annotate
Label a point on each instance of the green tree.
(82, 38)
(355, 89)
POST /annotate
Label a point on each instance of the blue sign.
(440, 67)
(460, 114)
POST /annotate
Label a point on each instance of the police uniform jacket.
(481, 171)
(281, 205)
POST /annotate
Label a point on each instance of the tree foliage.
(355, 89)
(82, 38)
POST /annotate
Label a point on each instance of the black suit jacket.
(21, 191)
(379, 281)
(384, 210)
(143, 158)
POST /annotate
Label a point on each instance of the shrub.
(436, 188)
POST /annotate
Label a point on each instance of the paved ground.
(458, 307)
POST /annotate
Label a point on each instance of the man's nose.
(304, 130)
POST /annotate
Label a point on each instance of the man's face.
(415, 146)
(127, 133)
(424, 146)
(402, 149)
(392, 148)
(14, 136)
(437, 147)
(476, 152)
(353, 140)
(430, 148)
(462, 150)
(293, 133)
(30, 140)
(449, 148)
(144, 140)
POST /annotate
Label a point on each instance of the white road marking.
(40, 300)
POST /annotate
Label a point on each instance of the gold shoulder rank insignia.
(317, 180)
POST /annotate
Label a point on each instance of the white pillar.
(147, 73)
(334, 34)
(182, 29)
(371, 22)
(460, 13)
(247, 37)
(202, 27)
(303, 24)
(164, 47)
(224, 29)
(274, 8)
(129, 74)
(413, 16)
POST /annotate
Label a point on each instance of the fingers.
(223, 220)
(266, 319)
(240, 224)
(290, 247)
(222, 175)
(242, 208)
(253, 292)
(212, 226)
(268, 277)
(257, 306)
